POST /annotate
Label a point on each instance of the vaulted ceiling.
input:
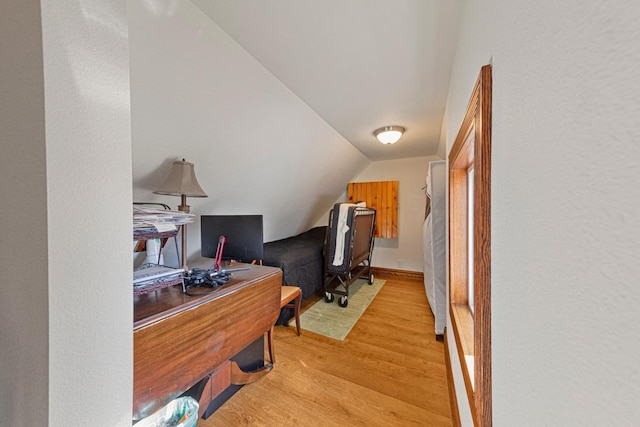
(359, 64)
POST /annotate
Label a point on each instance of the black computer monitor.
(244, 239)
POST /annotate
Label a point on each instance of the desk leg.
(240, 377)
(272, 355)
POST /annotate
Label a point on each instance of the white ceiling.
(359, 64)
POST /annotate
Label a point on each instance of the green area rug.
(333, 321)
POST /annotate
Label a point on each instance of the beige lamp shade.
(181, 181)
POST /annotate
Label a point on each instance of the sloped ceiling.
(359, 64)
(257, 147)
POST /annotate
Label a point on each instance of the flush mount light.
(389, 134)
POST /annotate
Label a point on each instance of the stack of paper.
(152, 277)
(146, 219)
(150, 272)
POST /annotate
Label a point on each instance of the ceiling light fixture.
(389, 134)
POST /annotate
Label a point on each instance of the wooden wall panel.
(383, 197)
(394, 208)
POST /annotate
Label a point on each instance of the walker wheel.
(343, 301)
(370, 278)
(328, 297)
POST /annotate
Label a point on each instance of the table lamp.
(182, 182)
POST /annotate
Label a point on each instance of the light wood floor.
(389, 371)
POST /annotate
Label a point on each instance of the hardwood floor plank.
(356, 361)
(389, 371)
(304, 396)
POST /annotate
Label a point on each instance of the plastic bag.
(181, 412)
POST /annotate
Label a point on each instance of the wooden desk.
(180, 340)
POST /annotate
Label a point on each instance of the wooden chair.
(290, 297)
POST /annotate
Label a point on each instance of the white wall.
(565, 212)
(88, 139)
(66, 179)
(24, 307)
(257, 148)
(405, 252)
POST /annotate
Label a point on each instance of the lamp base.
(184, 248)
